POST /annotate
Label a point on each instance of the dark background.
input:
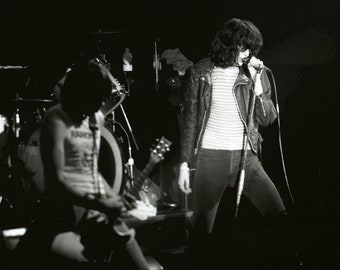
(301, 46)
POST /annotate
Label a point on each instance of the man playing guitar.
(80, 214)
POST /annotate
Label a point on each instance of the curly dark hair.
(235, 33)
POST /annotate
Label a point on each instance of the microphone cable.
(130, 160)
(280, 136)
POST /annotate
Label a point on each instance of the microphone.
(256, 64)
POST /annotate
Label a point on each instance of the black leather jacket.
(197, 102)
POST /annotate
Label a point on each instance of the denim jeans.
(218, 170)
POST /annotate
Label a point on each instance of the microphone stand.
(130, 129)
(244, 155)
(131, 160)
(160, 202)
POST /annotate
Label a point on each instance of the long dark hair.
(234, 33)
(84, 85)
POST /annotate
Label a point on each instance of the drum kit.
(21, 118)
(20, 160)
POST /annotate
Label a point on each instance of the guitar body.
(150, 193)
(143, 187)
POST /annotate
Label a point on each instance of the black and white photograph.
(169, 134)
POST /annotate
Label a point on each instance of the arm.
(265, 111)
(109, 203)
(189, 132)
(190, 110)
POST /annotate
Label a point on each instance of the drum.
(110, 162)
(118, 92)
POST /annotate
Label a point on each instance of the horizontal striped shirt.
(224, 128)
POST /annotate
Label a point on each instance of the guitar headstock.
(158, 151)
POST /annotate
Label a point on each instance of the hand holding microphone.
(256, 67)
(257, 64)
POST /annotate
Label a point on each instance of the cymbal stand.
(157, 65)
(16, 123)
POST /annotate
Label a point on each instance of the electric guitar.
(141, 183)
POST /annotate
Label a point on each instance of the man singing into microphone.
(216, 110)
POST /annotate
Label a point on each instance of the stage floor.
(165, 238)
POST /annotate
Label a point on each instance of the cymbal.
(25, 101)
(100, 33)
(13, 67)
